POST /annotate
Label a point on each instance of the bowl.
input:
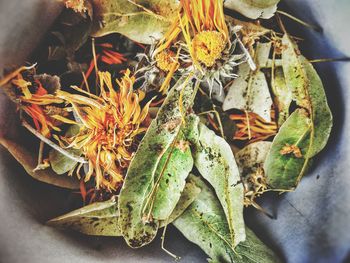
(311, 225)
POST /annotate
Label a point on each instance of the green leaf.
(137, 227)
(172, 171)
(142, 21)
(97, 219)
(249, 92)
(204, 223)
(189, 194)
(215, 161)
(321, 113)
(308, 92)
(59, 162)
(253, 8)
(284, 170)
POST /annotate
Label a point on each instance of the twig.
(51, 144)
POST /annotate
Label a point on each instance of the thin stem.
(345, 59)
(314, 27)
(177, 258)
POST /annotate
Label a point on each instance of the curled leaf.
(283, 95)
(215, 161)
(29, 162)
(97, 219)
(308, 92)
(253, 8)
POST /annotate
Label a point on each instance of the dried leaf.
(97, 219)
(204, 223)
(29, 161)
(189, 194)
(215, 161)
(284, 170)
(250, 92)
(308, 92)
(253, 8)
(140, 179)
(173, 168)
(142, 21)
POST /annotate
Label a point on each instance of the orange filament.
(252, 127)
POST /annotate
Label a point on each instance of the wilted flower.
(110, 125)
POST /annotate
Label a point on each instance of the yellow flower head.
(110, 125)
(204, 29)
(202, 24)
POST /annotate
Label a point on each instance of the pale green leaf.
(172, 171)
(253, 8)
(215, 161)
(137, 227)
(204, 223)
(59, 162)
(142, 21)
(97, 219)
(189, 194)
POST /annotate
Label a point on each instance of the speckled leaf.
(251, 157)
(283, 95)
(97, 219)
(189, 194)
(294, 73)
(136, 227)
(172, 171)
(308, 92)
(204, 224)
(284, 170)
(215, 161)
(143, 21)
(253, 8)
(249, 92)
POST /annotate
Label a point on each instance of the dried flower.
(109, 128)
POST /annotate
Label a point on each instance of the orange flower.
(109, 128)
(32, 97)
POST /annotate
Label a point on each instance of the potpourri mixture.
(170, 112)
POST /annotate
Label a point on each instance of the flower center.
(165, 60)
(208, 46)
